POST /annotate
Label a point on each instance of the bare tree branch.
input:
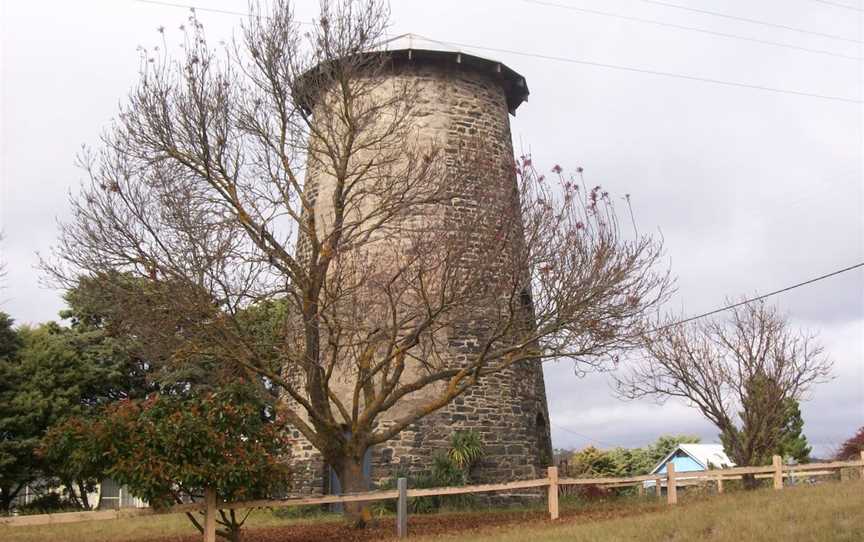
(740, 372)
(357, 238)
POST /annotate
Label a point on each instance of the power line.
(657, 72)
(759, 298)
(244, 14)
(749, 20)
(839, 5)
(202, 8)
(586, 437)
(717, 311)
(190, 6)
(687, 28)
(588, 63)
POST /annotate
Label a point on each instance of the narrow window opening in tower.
(527, 302)
(543, 442)
(527, 309)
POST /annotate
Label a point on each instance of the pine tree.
(793, 443)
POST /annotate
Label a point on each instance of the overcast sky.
(752, 189)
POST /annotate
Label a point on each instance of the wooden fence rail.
(672, 480)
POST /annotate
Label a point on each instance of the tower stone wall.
(461, 104)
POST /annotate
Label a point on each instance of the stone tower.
(461, 97)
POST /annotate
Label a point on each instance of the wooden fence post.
(862, 466)
(658, 488)
(720, 484)
(402, 508)
(844, 474)
(553, 493)
(778, 472)
(641, 489)
(671, 488)
(210, 515)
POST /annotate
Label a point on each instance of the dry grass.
(826, 512)
(142, 528)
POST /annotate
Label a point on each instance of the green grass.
(827, 512)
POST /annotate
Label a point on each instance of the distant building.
(108, 495)
(113, 496)
(692, 458)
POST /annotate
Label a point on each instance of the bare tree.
(208, 185)
(740, 372)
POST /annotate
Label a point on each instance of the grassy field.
(827, 512)
(140, 528)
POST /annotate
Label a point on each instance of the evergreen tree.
(16, 433)
(48, 373)
(61, 372)
(10, 342)
(793, 443)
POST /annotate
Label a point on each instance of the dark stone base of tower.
(509, 412)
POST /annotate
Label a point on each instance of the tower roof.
(418, 48)
(409, 48)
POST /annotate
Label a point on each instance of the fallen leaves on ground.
(434, 524)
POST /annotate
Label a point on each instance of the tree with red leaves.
(852, 448)
(169, 449)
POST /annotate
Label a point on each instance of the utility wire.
(654, 72)
(687, 28)
(584, 62)
(723, 309)
(839, 5)
(586, 437)
(657, 72)
(668, 74)
(749, 20)
(202, 8)
(189, 6)
(759, 298)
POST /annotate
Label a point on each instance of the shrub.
(167, 449)
(466, 449)
(448, 470)
(49, 503)
(444, 473)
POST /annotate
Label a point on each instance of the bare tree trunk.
(233, 531)
(749, 481)
(82, 489)
(353, 480)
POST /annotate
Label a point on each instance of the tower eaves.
(414, 48)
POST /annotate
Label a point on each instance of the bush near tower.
(169, 449)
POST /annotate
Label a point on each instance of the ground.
(825, 512)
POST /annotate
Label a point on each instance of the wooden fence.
(672, 480)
